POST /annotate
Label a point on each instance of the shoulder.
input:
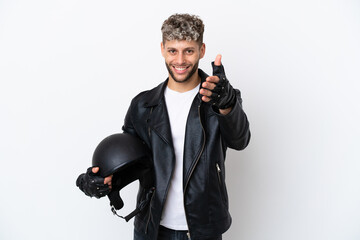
(150, 97)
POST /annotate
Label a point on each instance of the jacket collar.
(155, 95)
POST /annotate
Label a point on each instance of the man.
(188, 122)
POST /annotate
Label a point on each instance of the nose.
(180, 58)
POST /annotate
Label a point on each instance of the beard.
(187, 77)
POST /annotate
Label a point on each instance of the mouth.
(180, 69)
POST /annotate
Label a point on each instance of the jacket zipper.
(219, 173)
(147, 223)
(202, 149)
(196, 162)
(218, 170)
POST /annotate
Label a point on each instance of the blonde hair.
(183, 27)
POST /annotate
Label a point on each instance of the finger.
(108, 180)
(213, 79)
(95, 169)
(205, 99)
(208, 85)
(218, 60)
(205, 92)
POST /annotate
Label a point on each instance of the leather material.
(223, 95)
(208, 135)
(92, 184)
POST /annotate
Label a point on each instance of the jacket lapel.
(159, 119)
(160, 123)
(194, 138)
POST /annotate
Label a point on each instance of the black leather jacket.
(208, 134)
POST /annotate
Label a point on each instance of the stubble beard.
(191, 73)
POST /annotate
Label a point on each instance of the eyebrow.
(188, 48)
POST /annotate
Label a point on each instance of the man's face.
(182, 58)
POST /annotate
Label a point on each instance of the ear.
(202, 50)
(162, 49)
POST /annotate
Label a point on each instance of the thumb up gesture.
(217, 89)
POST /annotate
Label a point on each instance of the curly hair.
(183, 27)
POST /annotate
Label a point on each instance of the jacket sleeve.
(128, 126)
(234, 126)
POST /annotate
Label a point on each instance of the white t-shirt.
(178, 106)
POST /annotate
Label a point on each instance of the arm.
(234, 126)
(227, 103)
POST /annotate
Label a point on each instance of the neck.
(188, 85)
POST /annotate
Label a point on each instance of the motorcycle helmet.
(128, 159)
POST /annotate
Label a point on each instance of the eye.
(172, 51)
(189, 51)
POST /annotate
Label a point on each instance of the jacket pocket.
(221, 182)
(150, 215)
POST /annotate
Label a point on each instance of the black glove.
(223, 95)
(92, 184)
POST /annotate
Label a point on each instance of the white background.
(69, 69)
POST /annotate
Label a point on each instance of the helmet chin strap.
(115, 199)
(117, 203)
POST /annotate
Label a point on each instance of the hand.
(107, 180)
(92, 184)
(217, 88)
